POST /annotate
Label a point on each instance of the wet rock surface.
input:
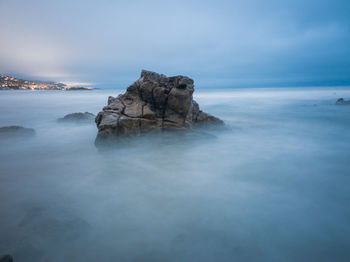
(16, 131)
(78, 117)
(151, 104)
(342, 101)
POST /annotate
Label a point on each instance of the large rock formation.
(152, 103)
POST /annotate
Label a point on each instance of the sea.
(273, 185)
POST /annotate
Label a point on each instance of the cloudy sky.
(218, 43)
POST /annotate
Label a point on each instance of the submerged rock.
(14, 131)
(341, 101)
(152, 103)
(78, 117)
(53, 225)
(25, 251)
(6, 258)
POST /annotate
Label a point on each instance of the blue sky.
(218, 43)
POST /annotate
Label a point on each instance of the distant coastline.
(13, 83)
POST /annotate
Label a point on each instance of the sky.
(217, 43)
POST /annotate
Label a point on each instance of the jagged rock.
(153, 103)
(15, 131)
(341, 101)
(78, 117)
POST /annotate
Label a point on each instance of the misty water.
(272, 186)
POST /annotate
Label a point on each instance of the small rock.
(341, 101)
(15, 131)
(78, 117)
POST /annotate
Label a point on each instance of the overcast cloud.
(218, 43)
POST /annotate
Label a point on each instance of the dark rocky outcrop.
(78, 117)
(16, 131)
(153, 103)
(342, 101)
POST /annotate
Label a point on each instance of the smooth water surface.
(273, 186)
